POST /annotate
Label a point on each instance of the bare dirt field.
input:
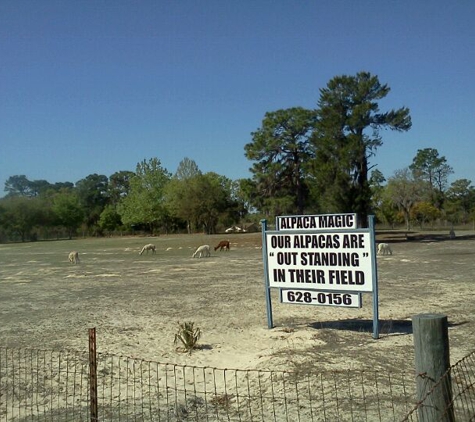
(135, 303)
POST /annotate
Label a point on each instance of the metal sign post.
(375, 278)
(270, 323)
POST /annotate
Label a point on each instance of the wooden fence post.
(93, 375)
(432, 360)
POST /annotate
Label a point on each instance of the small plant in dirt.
(188, 335)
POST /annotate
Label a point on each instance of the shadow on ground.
(390, 236)
(386, 326)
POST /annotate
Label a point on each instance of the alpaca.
(224, 244)
(203, 250)
(74, 257)
(384, 249)
(149, 247)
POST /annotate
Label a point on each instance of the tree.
(119, 185)
(424, 212)
(20, 215)
(460, 200)
(39, 187)
(429, 167)
(17, 186)
(21, 186)
(179, 200)
(179, 193)
(240, 205)
(376, 182)
(211, 200)
(280, 149)
(388, 211)
(403, 191)
(187, 169)
(247, 195)
(92, 192)
(110, 219)
(145, 202)
(200, 200)
(347, 135)
(62, 185)
(68, 210)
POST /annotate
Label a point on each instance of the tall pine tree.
(347, 134)
(280, 149)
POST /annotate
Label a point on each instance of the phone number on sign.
(314, 297)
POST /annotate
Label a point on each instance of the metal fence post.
(432, 360)
(93, 375)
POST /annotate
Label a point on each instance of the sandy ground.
(136, 302)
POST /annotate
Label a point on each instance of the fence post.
(432, 360)
(93, 375)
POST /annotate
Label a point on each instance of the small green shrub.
(188, 335)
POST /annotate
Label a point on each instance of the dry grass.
(134, 302)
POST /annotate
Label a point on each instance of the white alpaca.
(203, 250)
(384, 249)
(74, 257)
(149, 247)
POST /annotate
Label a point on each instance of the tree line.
(150, 200)
(304, 161)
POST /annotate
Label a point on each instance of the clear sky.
(96, 86)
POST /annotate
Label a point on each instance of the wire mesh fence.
(458, 383)
(38, 385)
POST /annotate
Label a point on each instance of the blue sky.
(97, 86)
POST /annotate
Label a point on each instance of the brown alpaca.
(224, 244)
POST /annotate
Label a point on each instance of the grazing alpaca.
(384, 249)
(224, 244)
(149, 247)
(74, 257)
(203, 250)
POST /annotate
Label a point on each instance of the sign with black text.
(320, 298)
(320, 261)
(316, 222)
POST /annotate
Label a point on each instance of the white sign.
(313, 297)
(316, 222)
(320, 261)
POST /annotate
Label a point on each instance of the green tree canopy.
(180, 192)
(429, 167)
(403, 191)
(187, 169)
(110, 219)
(424, 212)
(348, 133)
(21, 214)
(119, 185)
(92, 192)
(68, 210)
(460, 200)
(280, 148)
(17, 186)
(211, 199)
(200, 200)
(21, 186)
(145, 202)
(376, 184)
